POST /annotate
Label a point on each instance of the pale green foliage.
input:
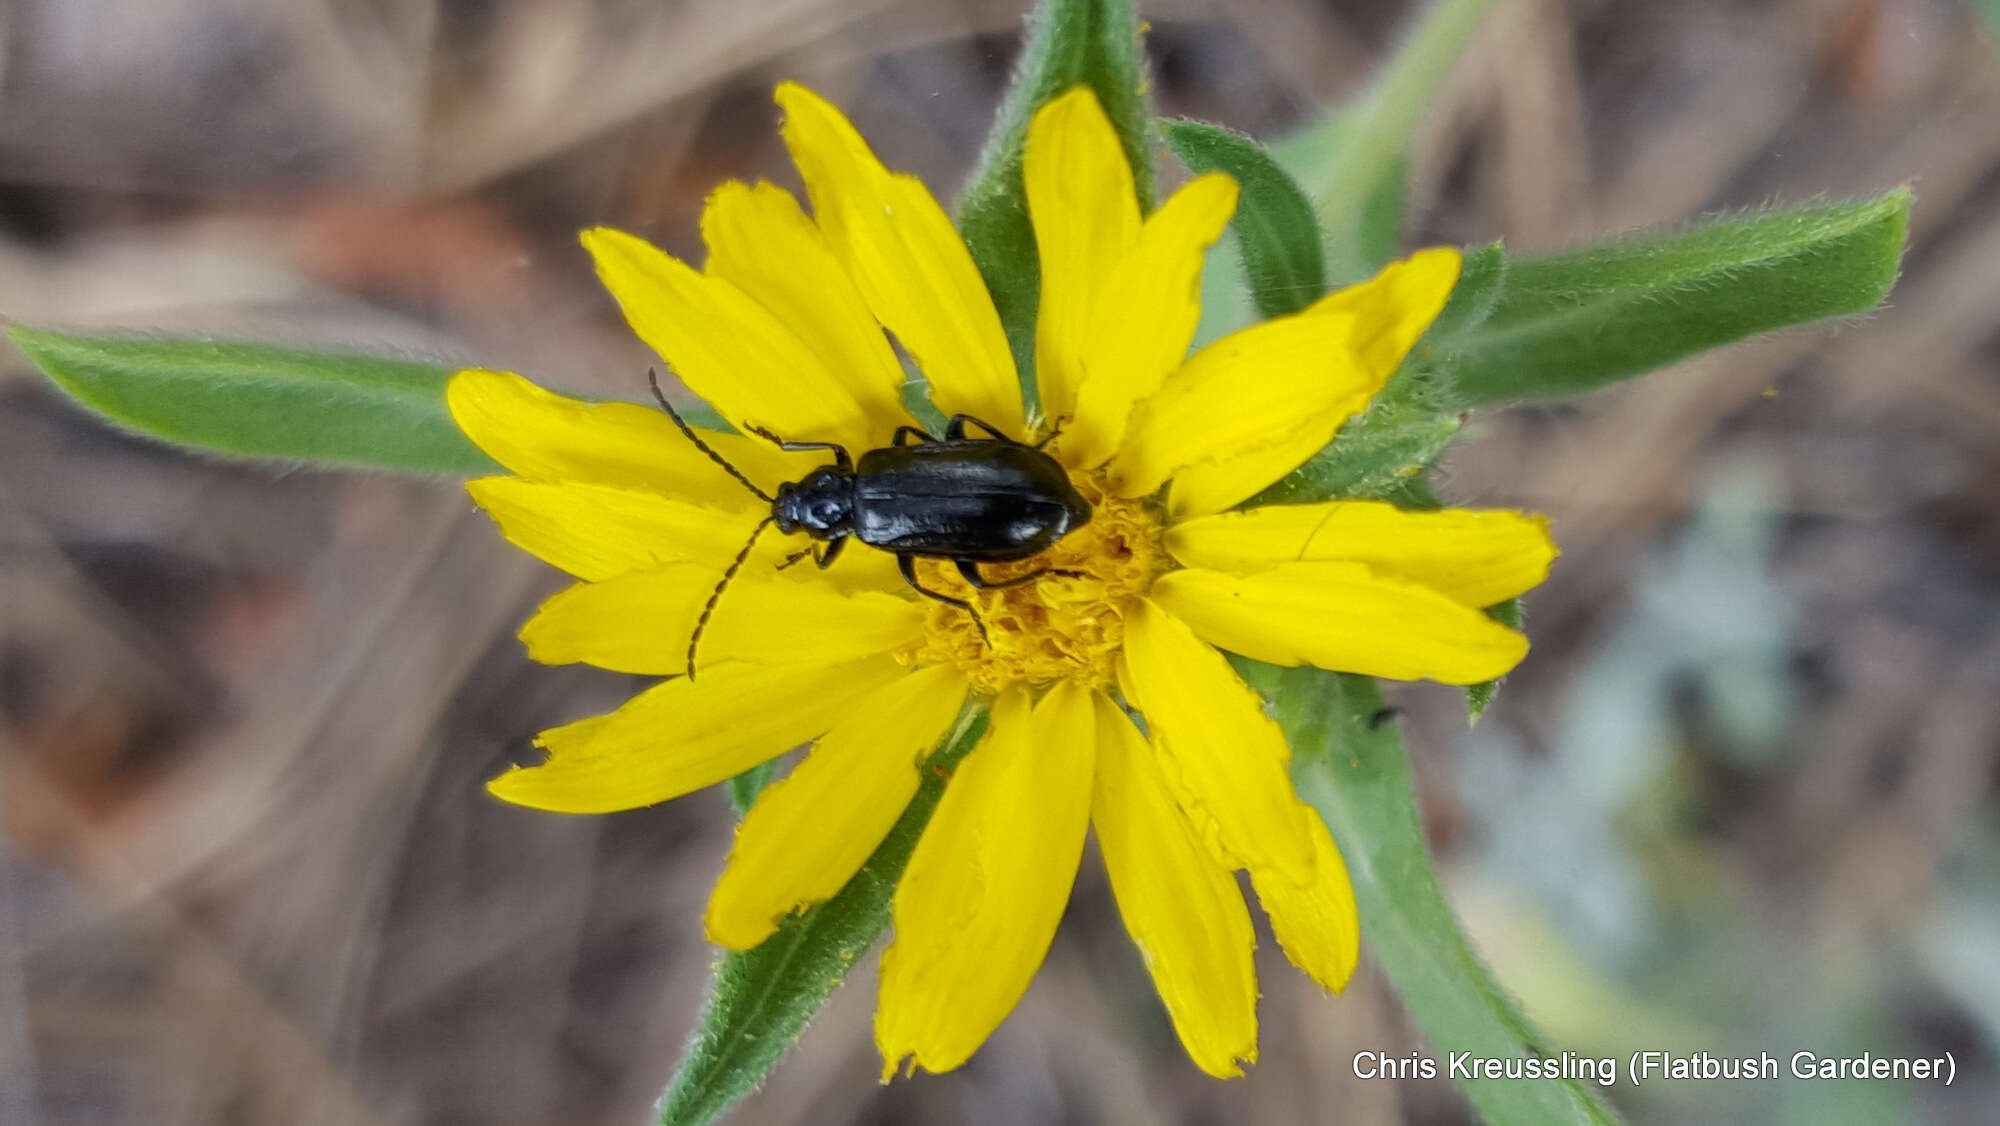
(258, 400)
(1276, 230)
(744, 788)
(1560, 324)
(1570, 322)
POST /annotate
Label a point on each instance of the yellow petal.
(1145, 315)
(727, 348)
(681, 735)
(1223, 757)
(1247, 391)
(1316, 923)
(1086, 217)
(812, 830)
(1474, 558)
(1343, 617)
(641, 621)
(760, 241)
(1214, 486)
(1396, 306)
(596, 531)
(548, 437)
(1386, 315)
(987, 884)
(857, 567)
(909, 261)
(1180, 905)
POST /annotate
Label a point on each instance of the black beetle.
(968, 500)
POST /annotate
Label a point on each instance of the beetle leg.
(907, 564)
(1061, 421)
(970, 570)
(840, 459)
(955, 428)
(920, 436)
(831, 553)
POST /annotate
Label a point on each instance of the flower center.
(1058, 626)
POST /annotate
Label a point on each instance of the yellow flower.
(783, 329)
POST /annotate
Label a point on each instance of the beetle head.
(821, 504)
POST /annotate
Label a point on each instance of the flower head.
(1123, 621)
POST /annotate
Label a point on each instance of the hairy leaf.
(1276, 230)
(1571, 322)
(263, 401)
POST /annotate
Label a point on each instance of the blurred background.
(1741, 798)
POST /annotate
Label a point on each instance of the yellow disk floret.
(1058, 627)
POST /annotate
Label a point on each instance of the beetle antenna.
(653, 378)
(701, 623)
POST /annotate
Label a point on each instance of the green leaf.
(1275, 227)
(1479, 697)
(262, 401)
(1412, 419)
(1354, 161)
(760, 1000)
(1348, 763)
(1069, 42)
(744, 788)
(1568, 323)
(1571, 322)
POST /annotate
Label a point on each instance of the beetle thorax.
(1056, 627)
(821, 504)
